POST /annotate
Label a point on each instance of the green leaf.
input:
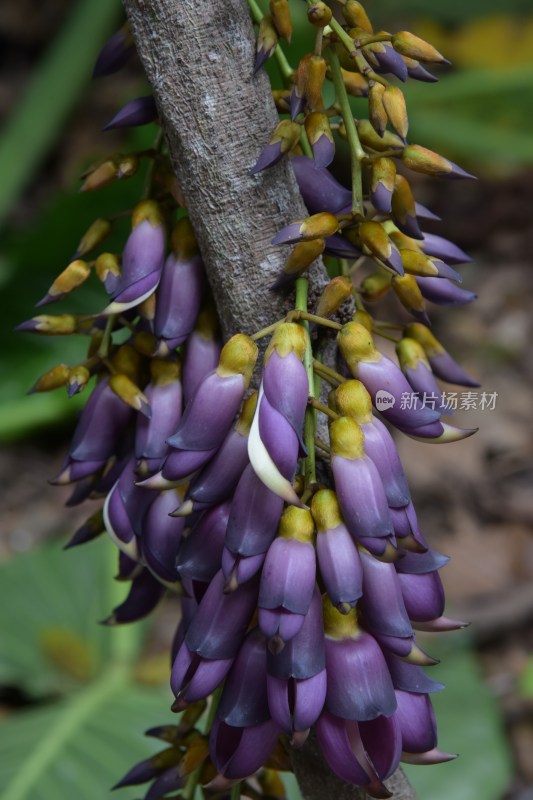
(469, 724)
(55, 87)
(88, 730)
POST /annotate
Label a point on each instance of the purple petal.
(161, 536)
(200, 553)
(286, 388)
(279, 438)
(381, 198)
(218, 479)
(423, 596)
(445, 368)
(444, 293)
(288, 576)
(219, 625)
(144, 595)
(201, 357)
(182, 464)
(140, 111)
(270, 155)
(244, 698)
(359, 683)
(209, 413)
(114, 54)
(179, 297)
(288, 234)
(420, 73)
(319, 189)
(437, 246)
(340, 566)
(423, 382)
(323, 151)
(304, 655)
(194, 678)
(101, 425)
(151, 434)
(169, 781)
(417, 722)
(239, 752)
(296, 704)
(239, 569)
(382, 603)
(142, 255)
(279, 625)
(409, 677)
(340, 247)
(389, 61)
(380, 448)
(254, 516)
(420, 563)
(386, 378)
(361, 497)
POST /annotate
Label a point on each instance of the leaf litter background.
(75, 696)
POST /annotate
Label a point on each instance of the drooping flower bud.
(144, 595)
(369, 137)
(356, 16)
(395, 108)
(384, 58)
(376, 242)
(179, 294)
(164, 394)
(73, 276)
(142, 259)
(239, 752)
(115, 53)
(415, 262)
(285, 136)
(161, 536)
(298, 261)
(107, 268)
(382, 186)
(319, 15)
(376, 109)
(375, 286)
(267, 40)
(320, 137)
(443, 292)
(212, 408)
(93, 237)
(335, 294)
(202, 351)
(53, 379)
(281, 17)
(408, 292)
(417, 369)
(109, 171)
(404, 208)
(442, 364)
(380, 374)
(200, 552)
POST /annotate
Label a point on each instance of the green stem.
(103, 350)
(284, 66)
(302, 287)
(346, 40)
(356, 150)
(236, 791)
(316, 404)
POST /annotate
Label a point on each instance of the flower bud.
(281, 17)
(53, 379)
(78, 378)
(109, 171)
(267, 40)
(94, 236)
(334, 295)
(301, 257)
(115, 53)
(319, 189)
(144, 595)
(202, 351)
(355, 84)
(353, 400)
(356, 16)
(408, 293)
(319, 15)
(384, 59)
(129, 393)
(439, 247)
(375, 286)
(442, 364)
(369, 137)
(318, 226)
(48, 325)
(419, 264)
(285, 136)
(315, 74)
(407, 44)
(376, 109)
(395, 108)
(420, 159)
(107, 268)
(320, 137)
(443, 292)
(376, 242)
(382, 186)
(73, 276)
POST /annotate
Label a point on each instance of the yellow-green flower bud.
(281, 17)
(353, 400)
(297, 523)
(287, 338)
(53, 379)
(356, 16)
(410, 353)
(129, 393)
(394, 104)
(326, 510)
(94, 236)
(356, 344)
(319, 15)
(335, 294)
(238, 357)
(407, 44)
(346, 438)
(375, 286)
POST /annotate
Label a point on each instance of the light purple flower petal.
(382, 604)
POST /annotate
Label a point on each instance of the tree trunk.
(217, 115)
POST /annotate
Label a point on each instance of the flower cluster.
(300, 590)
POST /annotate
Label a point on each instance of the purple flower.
(201, 551)
(382, 606)
(144, 595)
(164, 393)
(244, 698)
(319, 189)
(115, 53)
(423, 595)
(202, 351)
(194, 677)
(338, 557)
(239, 752)
(443, 292)
(437, 246)
(210, 412)
(417, 722)
(254, 516)
(161, 536)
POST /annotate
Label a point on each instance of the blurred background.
(75, 696)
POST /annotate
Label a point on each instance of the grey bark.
(217, 116)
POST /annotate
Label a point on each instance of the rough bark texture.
(198, 56)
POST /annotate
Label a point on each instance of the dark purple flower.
(218, 626)
(144, 595)
(239, 752)
(417, 722)
(124, 510)
(164, 395)
(239, 569)
(201, 551)
(423, 596)
(202, 351)
(304, 655)
(382, 606)
(297, 704)
(161, 536)
(254, 516)
(194, 677)
(365, 753)
(443, 292)
(319, 189)
(380, 448)
(409, 677)
(115, 53)
(244, 698)
(140, 111)
(210, 412)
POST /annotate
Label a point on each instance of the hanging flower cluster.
(297, 563)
